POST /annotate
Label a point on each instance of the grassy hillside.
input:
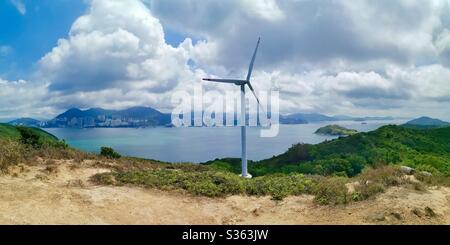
(20, 144)
(15, 132)
(427, 149)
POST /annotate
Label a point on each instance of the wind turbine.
(242, 84)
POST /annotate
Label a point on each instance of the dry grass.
(51, 169)
(331, 191)
(11, 153)
(373, 181)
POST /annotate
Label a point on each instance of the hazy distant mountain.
(349, 118)
(427, 122)
(292, 120)
(301, 118)
(149, 117)
(29, 122)
(343, 118)
(98, 117)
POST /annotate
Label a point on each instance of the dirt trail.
(64, 195)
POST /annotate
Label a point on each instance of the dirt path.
(64, 195)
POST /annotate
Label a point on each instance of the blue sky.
(31, 35)
(361, 58)
(34, 33)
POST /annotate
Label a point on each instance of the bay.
(199, 144)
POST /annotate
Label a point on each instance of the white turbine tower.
(242, 83)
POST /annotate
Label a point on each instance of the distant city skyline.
(357, 58)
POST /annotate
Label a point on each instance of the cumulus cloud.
(358, 57)
(398, 91)
(313, 33)
(335, 57)
(24, 98)
(117, 44)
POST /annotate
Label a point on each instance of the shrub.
(278, 186)
(204, 188)
(433, 180)
(10, 153)
(104, 178)
(29, 137)
(429, 169)
(367, 190)
(52, 152)
(375, 180)
(389, 175)
(211, 183)
(109, 153)
(332, 191)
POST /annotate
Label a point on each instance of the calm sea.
(199, 144)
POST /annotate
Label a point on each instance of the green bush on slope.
(348, 156)
(211, 183)
(109, 153)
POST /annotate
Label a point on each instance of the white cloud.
(117, 44)
(312, 34)
(265, 9)
(335, 57)
(20, 6)
(116, 56)
(23, 98)
(443, 46)
(327, 56)
(401, 91)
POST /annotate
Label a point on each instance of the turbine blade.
(235, 81)
(250, 68)
(257, 99)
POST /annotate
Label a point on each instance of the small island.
(335, 130)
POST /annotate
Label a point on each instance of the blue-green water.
(198, 144)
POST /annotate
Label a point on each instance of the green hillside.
(16, 132)
(427, 149)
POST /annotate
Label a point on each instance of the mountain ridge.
(140, 116)
(426, 122)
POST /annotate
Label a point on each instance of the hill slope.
(13, 132)
(426, 122)
(29, 122)
(427, 149)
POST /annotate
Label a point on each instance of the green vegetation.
(367, 161)
(331, 191)
(373, 181)
(210, 183)
(335, 130)
(348, 156)
(109, 153)
(23, 144)
(16, 133)
(426, 122)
